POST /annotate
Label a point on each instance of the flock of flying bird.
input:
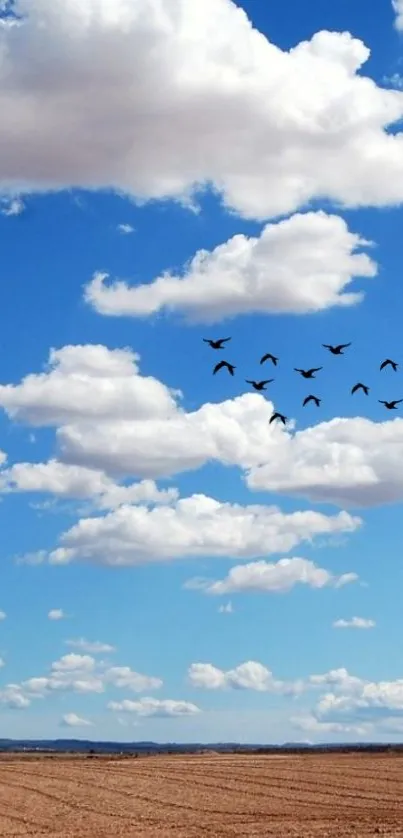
(261, 385)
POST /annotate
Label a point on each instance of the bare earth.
(324, 796)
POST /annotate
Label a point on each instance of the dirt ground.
(312, 796)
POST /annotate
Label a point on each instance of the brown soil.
(327, 796)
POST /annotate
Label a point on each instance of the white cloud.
(276, 577)
(111, 419)
(344, 461)
(56, 614)
(126, 229)
(315, 123)
(250, 675)
(355, 622)
(398, 8)
(194, 526)
(123, 677)
(15, 206)
(155, 707)
(309, 722)
(84, 382)
(12, 697)
(93, 647)
(80, 674)
(302, 264)
(72, 720)
(72, 481)
(3, 615)
(226, 609)
(1, 663)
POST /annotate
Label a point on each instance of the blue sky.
(172, 566)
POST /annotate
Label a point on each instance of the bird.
(278, 415)
(391, 405)
(311, 399)
(259, 385)
(268, 357)
(216, 344)
(308, 373)
(360, 386)
(390, 363)
(336, 350)
(221, 364)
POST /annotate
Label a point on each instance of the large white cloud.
(302, 264)
(344, 461)
(87, 381)
(193, 526)
(275, 577)
(109, 418)
(191, 94)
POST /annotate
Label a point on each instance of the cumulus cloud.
(72, 720)
(126, 229)
(398, 9)
(155, 707)
(15, 206)
(299, 265)
(344, 461)
(250, 675)
(276, 577)
(194, 526)
(56, 614)
(112, 420)
(80, 674)
(87, 381)
(71, 481)
(355, 622)
(316, 124)
(93, 647)
(12, 697)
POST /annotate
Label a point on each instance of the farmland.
(325, 795)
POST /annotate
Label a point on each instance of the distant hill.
(81, 746)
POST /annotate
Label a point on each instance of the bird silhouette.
(391, 405)
(390, 363)
(278, 415)
(221, 364)
(311, 399)
(336, 350)
(308, 373)
(360, 386)
(259, 385)
(216, 344)
(268, 357)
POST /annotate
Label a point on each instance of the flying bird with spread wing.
(360, 386)
(269, 357)
(391, 405)
(389, 363)
(216, 344)
(221, 365)
(336, 350)
(279, 416)
(312, 399)
(259, 385)
(308, 373)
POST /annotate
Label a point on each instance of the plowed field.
(326, 796)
